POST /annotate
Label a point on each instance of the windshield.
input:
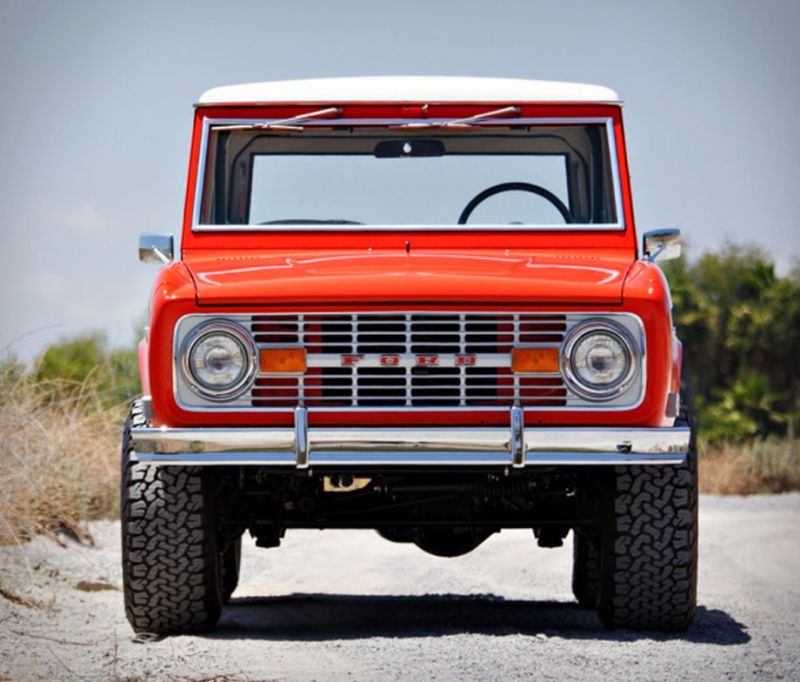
(517, 175)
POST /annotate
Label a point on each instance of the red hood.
(388, 276)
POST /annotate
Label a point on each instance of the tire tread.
(649, 555)
(169, 564)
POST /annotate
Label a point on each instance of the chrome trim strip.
(203, 440)
(147, 406)
(517, 437)
(604, 459)
(613, 161)
(571, 227)
(673, 405)
(197, 200)
(503, 446)
(609, 440)
(215, 459)
(400, 440)
(301, 436)
(401, 458)
(620, 225)
(405, 459)
(443, 360)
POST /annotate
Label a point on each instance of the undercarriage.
(443, 512)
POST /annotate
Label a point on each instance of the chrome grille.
(484, 338)
(481, 337)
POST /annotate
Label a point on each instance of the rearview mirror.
(664, 244)
(156, 248)
(396, 149)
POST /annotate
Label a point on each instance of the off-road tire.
(585, 570)
(170, 568)
(649, 548)
(230, 561)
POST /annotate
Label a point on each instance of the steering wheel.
(511, 187)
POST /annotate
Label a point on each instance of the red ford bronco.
(419, 306)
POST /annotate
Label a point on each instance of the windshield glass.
(517, 175)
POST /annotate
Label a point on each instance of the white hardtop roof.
(409, 89)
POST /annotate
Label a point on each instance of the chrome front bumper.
(514, 445)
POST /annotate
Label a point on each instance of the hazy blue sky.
(95, 115)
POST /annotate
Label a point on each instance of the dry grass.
(59, 457)
(766, 466)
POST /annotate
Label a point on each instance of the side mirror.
(664, 244)
(156, 248)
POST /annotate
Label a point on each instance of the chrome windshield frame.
(607, 121)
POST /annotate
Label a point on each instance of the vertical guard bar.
(517, 442)
(301, 437)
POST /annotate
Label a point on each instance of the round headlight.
(599, 360)
(219, 360)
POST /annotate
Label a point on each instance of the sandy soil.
(348, 605)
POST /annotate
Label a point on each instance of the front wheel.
(648, 573)
(170, 561)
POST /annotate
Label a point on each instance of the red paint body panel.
(643, 296)
(430, 276)
(358, 269)
(361, 238)
(144, 370)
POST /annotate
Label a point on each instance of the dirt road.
(348, 605)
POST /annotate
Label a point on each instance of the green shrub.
(110, 376)
(740, 327)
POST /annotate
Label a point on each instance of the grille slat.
(408, 334)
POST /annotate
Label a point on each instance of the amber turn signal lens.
(534, 359)
(282, 360)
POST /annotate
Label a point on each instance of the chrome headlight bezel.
(242, 338)
(595, 392)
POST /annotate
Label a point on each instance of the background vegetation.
(60, 420)
(59, 449)
(740, 327)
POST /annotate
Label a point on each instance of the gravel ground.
(348, 605)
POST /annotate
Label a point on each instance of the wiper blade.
(292, 124)
(468, 122)
(286, 123)
(311, 221)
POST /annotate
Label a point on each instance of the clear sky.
(95, 115)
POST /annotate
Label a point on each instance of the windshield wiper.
(311, 221)
(292, 124)
(286, 123)
(460, 123)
